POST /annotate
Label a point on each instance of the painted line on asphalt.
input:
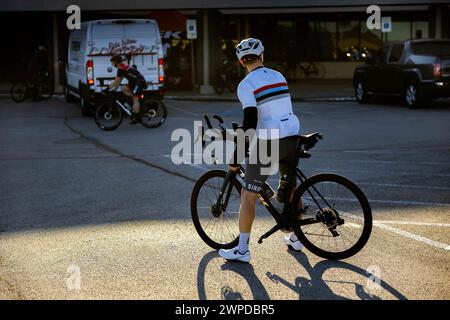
(392, 151)
(414, 223)
(381, 224)
(397, 202)
(386, 161)
(393, 185)
(182, 110)
(413, 236)
(415, 173)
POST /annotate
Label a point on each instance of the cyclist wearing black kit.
(136, 83)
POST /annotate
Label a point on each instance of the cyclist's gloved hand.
(107, 90)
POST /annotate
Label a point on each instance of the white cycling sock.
(293, 237)
(244, 239)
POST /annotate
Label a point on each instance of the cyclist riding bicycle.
(136, 84)
(266, 103)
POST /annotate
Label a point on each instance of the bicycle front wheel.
(108, 116)
(19, 92)
(343, 213)
(216, 224)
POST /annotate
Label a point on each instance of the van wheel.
(69, 98)
(86, 107)
(361, 94)
(413, 95)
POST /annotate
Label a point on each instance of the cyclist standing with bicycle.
(136, 84)
(266, 103)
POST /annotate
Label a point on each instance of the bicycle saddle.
(309, 140)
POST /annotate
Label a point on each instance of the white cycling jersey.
(267, 90)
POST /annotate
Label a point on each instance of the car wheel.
(361, 94)
(413, 95)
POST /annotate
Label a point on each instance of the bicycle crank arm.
(269, 233)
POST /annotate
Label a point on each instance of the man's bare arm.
(116, 83)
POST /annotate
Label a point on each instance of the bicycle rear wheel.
(343, 211)
(108, 116)
(216, 225)
(19, 92)
(154, 113)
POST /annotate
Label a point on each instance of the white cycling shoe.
(291, 240)
(234, 255)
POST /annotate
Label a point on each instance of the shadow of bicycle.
(313, 288)
(317, 288)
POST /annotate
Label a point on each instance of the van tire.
(86, 107)
(69, 98)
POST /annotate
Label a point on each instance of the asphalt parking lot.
(113, 208)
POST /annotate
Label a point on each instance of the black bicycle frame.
(280, 217)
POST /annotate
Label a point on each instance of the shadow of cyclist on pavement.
(317, 288)
(246, 271)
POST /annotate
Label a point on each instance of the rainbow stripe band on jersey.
(271, 92)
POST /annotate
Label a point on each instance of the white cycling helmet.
(249, 46)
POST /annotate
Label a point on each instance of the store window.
(325, 43)
(348, 40)
(305, 39)
(371, 40)
(401, 30)
(420, 29)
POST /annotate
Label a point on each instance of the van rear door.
(138, 38)
(143, 41)
(105, 36)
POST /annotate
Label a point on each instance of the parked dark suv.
(418, 70)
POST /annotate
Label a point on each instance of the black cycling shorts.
(255, 179)
(136, 88)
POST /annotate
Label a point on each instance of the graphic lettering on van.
(126, 46)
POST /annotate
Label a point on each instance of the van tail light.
(90, 72)
(437, 71)
(161, 70)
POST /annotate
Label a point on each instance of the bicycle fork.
(227, 186)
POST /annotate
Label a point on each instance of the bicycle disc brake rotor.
(216, 210)
(331, 219)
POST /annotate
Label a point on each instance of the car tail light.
(161, 70)
(437, 71)
(90, 72)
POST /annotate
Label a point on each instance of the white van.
(88, 67)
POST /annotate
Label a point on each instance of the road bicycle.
(335, 224)
(312, 70)
(308, 70)
(41, 88)
(110, 112)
